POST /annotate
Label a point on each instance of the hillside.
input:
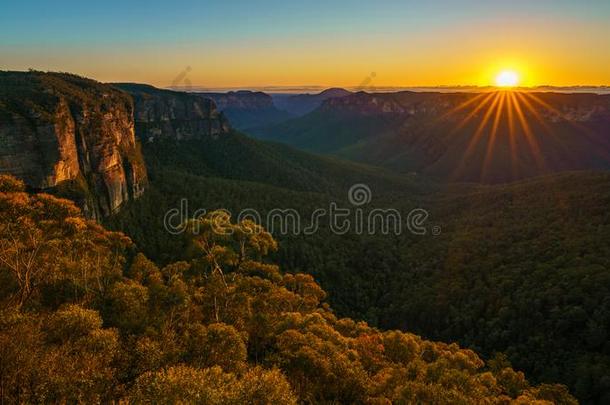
(535, 246)
(516, 269)
(224, 328)
(239, 157)
(485, 137)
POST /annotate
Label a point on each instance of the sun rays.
(514, 111)
(511, 132)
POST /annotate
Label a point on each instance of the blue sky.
(165, 35)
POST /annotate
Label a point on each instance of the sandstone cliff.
(63, 132)
(164, 113)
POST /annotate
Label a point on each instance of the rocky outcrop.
(171, 114)
(64, 133)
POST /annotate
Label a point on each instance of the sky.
(327, 43)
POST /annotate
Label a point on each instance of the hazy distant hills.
(517, 268)
(301, 104)
(483, 137)
(247, 109)
(251, 109)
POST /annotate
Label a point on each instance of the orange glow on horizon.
(507, 78)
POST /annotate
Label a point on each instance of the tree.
(215, 345)
(45, 242)
(212, 386)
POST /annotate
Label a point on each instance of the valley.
(517, 270)
(490, 137)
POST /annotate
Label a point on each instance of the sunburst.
(515, 107)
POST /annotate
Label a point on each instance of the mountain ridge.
(246, 109)
(485, 137)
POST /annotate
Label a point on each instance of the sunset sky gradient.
(325, 43)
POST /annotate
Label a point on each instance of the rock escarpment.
(171, 114)
(70, 135)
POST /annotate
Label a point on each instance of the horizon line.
(315, 89)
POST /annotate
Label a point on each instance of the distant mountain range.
(517, 268)
(301, 104)
(296, 90)
(483, 137)
(246, 109)
(250, 109)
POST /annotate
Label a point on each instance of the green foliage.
(211, 386)
(44, 360)
(127, 306)
(222, 327)
(449, 135)
(45, 244)
(215, 345)
(22, 92)
(518, 268)
(10, 184)
(72, 323)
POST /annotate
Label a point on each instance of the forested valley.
(88, 318)
(517, 269)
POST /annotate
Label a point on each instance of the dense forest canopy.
(516, 273)
(519, 269)
(87, 318)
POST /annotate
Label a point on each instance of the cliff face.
(63, 133)
(164, 113)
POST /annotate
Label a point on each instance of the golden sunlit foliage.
(517, 268)
(226, 327)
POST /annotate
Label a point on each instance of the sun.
(507, 78)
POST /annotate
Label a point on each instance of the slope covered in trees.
(86, 318)
(519, 269)
(482, 137)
